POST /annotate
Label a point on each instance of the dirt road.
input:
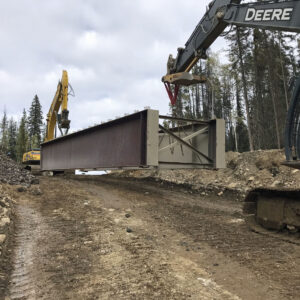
(104, 238)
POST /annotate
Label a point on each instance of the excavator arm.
(60, 101)
(274, 15)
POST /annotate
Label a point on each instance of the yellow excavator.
(31, 159)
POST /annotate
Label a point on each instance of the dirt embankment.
(6, 228)
(11, 173)
(244, 171)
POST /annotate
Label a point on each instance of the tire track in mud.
(71, 243)
(206, 222)
(68, 247)
(29, 278)
(23, 284)
(269, 258)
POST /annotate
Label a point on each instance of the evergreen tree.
(12, 139)
(44, 131)
(240, 50)
(4, 133)
(35, 143)
(241, 139)
(35, 122)
(22, 138)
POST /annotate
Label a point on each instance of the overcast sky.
(115, 53)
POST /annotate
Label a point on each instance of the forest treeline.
(251, 92)
(18, 137)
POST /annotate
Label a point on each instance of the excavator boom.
(274, 15)
(60, 101)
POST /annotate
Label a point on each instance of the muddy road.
(107, 238)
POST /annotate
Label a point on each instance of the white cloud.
(115, 53)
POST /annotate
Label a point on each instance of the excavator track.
(274, 209)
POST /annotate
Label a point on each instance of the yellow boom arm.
(60, 101)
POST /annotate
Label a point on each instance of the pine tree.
(242, 48)
(242, 142)
(12, 139)
(44, 131)
(227, 113)
(272, 69)
(22, 138)
(4, 134)
(35, 122)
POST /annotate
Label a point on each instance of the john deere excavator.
(273, 209)
(31, 159)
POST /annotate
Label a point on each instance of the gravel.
(13, 173)
(245, 171)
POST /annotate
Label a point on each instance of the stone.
(36, 192)
(275, 171)
(232, 185)
(251, 178)
(4, 221)
(87, 242)
(4, 212)
(21, 189)
(292, 228)
(34, 181)
(275, 183)
(2, 238)
(3, 203)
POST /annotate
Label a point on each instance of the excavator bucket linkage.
(178, 79)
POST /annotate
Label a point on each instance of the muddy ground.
(110, 238)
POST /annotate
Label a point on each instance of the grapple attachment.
(183, 78)
(178, 79)
(63, 122)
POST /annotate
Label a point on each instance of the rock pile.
(13, 173)
(5, 217)
(244, 172)
(6, 229)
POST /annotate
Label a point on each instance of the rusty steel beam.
(116, 144)
(139, 141)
